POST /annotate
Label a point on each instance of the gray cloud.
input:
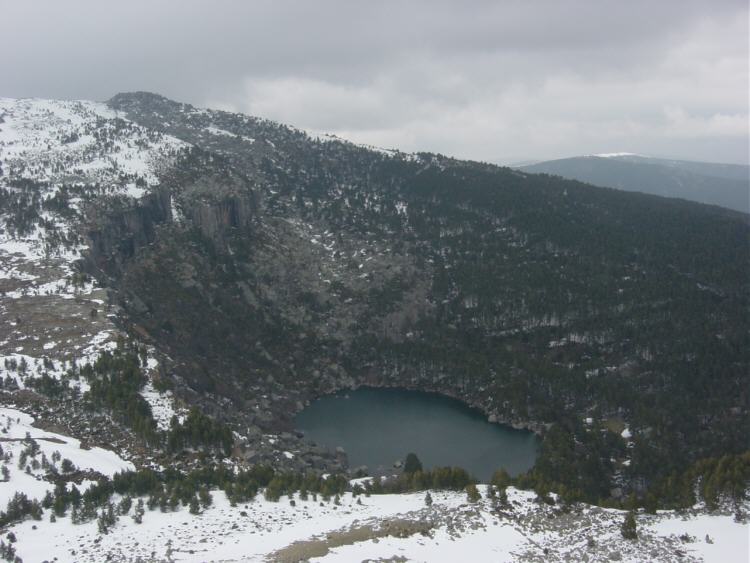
(495, 81)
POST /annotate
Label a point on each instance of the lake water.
(379, 426)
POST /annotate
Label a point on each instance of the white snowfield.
(161, 403)
(261, 530)
(15, 429)
(50, 140)
(57, 144)
(615, 154)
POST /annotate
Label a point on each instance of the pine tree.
(101, 524)
(205, 497)
(74, 516)
(60, 504)
(412, 463)
(194, 506)
(472, 493)
(174, 501)
(106, 519)
(629, 527)
(36, 510)
(500, 479)
(7, 551)
(125, 505)
(139, 512)
(428, 499)
(48, 500)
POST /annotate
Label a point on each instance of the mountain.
(727, 185)
(178, 282)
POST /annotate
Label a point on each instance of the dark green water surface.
(379, 426)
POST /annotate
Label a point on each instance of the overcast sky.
(498, 81)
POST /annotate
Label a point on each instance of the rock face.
(118, 233)
(272, 267)
(215, 219)
(212, 198)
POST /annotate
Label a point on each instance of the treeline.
(441, 478)
(716, 482)
(576, 465)
(116, 381)
(713, 481)
(575, 462)
(18, 508)
(171, 489)
(167, 491)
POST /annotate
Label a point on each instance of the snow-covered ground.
(225, 133)
(614, 154)
(50, 315)
(47, 140)
(269, 531)
(15, 432)
(161, 403)
(716, 538)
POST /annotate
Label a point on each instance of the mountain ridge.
(726, 185)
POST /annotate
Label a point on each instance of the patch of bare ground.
(319, 547)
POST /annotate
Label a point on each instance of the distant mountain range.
(727, 185)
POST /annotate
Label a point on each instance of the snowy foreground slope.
(380, 527)
(57, 158)
(16, 429)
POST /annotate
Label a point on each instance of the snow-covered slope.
(58, 141)
(17, 433)
(56, 157)
(398, 527)
(387, 527)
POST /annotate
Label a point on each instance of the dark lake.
(379, 426)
